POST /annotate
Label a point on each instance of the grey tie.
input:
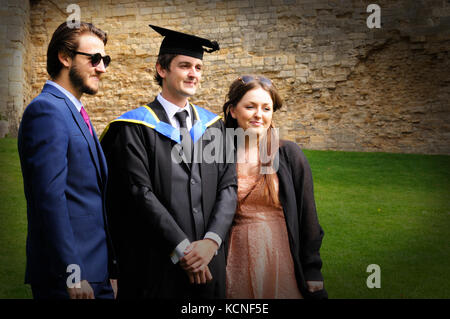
(186, 140)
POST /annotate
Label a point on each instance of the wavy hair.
(236, 92)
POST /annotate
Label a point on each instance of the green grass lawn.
(13, 223)
(392, 210)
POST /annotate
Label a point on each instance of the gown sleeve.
(226, 198)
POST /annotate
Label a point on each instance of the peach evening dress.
(259, 263)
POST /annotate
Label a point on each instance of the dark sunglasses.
(248, 78)
(96, 58)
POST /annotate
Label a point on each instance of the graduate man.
(170, 216)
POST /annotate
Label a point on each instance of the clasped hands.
(196, 259)
(198, 255)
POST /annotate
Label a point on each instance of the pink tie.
(86, 119)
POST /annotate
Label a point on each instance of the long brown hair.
(237, 90)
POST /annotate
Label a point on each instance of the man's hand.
(84, 292)
(198, 255)
(114, 286)
(202, 277)
(314, 286)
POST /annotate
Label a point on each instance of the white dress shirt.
(171, 109)
(72, 98)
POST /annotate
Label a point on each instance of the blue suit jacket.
(65, 174)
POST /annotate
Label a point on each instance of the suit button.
(192, 181)
(195, 210)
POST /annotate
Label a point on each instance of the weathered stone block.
(4, 128)
(324, 61)
(15, 73)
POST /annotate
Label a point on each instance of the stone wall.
(14, 69)
(345, 86)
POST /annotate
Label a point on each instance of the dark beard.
(78, 83)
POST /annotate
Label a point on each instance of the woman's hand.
(314, 286)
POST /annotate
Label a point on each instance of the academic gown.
(145, 228)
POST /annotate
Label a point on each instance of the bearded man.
(69, 253)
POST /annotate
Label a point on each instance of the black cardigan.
(297, 198)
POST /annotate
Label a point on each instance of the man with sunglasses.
(170, 216)
(69, 253)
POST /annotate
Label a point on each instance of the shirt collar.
(171, 108)
(69, 95)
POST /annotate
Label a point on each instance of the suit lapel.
(81, 125)
(87, 135)
(102, 158)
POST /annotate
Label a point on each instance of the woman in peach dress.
(275, 238)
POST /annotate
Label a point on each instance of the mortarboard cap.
(185, 44)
